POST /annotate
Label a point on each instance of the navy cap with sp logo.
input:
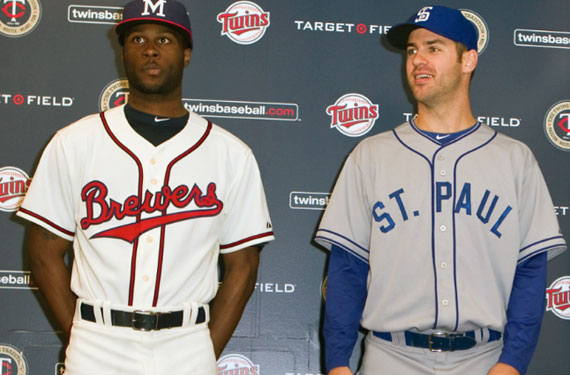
(444, 21)
(168, 12)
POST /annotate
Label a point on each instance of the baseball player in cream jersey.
(439, 230)
(149, 196)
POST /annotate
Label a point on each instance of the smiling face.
(434, 70)
(154, 56)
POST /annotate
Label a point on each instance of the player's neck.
(446, 118)
(159, 105)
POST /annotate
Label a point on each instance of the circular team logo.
(558, 298)
(19, 17)
(353, 114)
(482, 29)
(12, 362)
(236, 364)
(557, 125)
(14, 183)
(244, 22)
(114, 94)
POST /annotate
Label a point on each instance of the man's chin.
(150, 88)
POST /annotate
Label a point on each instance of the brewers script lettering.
(94, 194)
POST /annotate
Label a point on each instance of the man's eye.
(164, 40)
(138, 39)
(411, 52)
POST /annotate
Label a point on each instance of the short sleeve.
(247, 221)
(347, 218)
(49, 200)
(539, 228)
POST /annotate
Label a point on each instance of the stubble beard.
(169, 84)
(440, 92)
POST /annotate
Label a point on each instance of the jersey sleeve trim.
(253, 240)
(348, 250)
(553, 245)
(40, 220)
(327, 237)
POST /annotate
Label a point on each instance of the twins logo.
(485, 208)
(236, 364)
(558, 297)
(100, 210)
(557, 125)
(12, 361)
(19, 17)
(14, 183)
(244, 22)
(481, 26)
(114, 94)
(353, 114)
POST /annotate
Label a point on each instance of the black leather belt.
(142, 320)
(440, 342)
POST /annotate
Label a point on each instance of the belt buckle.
(142, 324)
(430, 340)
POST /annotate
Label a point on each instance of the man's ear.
(469, 60)
(187, 56)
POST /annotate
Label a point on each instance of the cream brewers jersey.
(442, 227)
(147, 223)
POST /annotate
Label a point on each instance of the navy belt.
(440, 342)
(142, 320)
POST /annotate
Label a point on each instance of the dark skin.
(154, 58)
(46, 253)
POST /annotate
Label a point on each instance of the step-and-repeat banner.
(280, 75)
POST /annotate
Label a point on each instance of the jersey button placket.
(147, 257)
(443, 238)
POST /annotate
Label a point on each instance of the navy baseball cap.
(168, 12)
(444, 21)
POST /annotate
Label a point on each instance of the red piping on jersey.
(266, 234)
(48, 222)
(136, 242)
(163, 228)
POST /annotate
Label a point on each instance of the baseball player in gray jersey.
(149, 196)
(439, 230)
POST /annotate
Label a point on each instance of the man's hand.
(503, 369)
(340, 371)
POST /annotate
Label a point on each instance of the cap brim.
(398, 35)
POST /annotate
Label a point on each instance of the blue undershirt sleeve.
(524, 313)
(345, 297)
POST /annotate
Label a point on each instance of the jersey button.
(443, 265)
(153, 161)
(440, 157)
(154, 181)
(445, 302)
(443, 228)
(146, 278)
(149, 239)
(442, 172)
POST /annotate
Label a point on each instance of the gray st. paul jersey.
(442, 227)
